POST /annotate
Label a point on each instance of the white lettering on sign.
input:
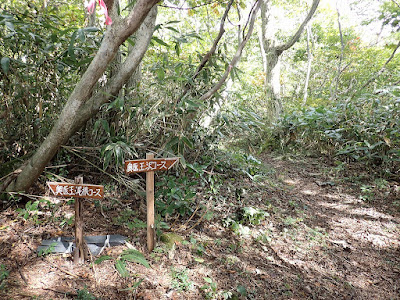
(148, 165)
(162, 165)
(76, 190)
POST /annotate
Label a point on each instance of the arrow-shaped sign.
(149, 165)
(62, 189)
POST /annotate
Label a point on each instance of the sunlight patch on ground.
(332, 196)
(368, 232)
(309, 192)
(363, 224)
(291, 181)
(348, 208)
(44, 280)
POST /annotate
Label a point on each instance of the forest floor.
(325, 236)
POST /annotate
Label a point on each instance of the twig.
(94, 270)
(188, 8)
(61, 292)
(26, 195)
(379, 73)
(56, 167)
(61, 178)
(198, 221)
(187, 222)
(100, 169)
(20, 273)
(62, 270)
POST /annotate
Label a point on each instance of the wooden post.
(150, 206)
(79, 253)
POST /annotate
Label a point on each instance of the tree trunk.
(309, 62)
(82, 105)
(272, 52)
(335, 82)
(272, 82)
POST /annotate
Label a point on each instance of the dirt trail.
(345, 247)
(320, 241)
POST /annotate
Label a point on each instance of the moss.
(170, 238)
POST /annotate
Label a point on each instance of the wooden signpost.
(77, 190)
(150, 165)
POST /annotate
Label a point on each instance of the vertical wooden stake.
(150, 206)
(79, 253)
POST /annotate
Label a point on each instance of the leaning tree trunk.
(82, 105)
(272, 53)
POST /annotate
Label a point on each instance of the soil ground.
(324, 237)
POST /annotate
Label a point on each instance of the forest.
(200, 149)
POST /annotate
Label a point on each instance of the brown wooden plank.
(67, 190)
(149, 165)
(150, 205)
(79, 253)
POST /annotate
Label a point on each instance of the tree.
(83, 103)
(271, 53)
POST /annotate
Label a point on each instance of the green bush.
(366, 129)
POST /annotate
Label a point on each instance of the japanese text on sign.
(137, 166)
(76, 190)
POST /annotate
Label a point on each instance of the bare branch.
(237, 55)
(300, 30)
(211, 52)
(379, 73)
(221, 32)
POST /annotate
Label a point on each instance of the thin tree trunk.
(81, 105)
(309, 62)
(335, 83)
(237, 55)
(216, 107)
(212, 50)
(272, 53)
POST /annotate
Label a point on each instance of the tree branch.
(72, 113)
(237, 55)
(379, 73)
(211, 52)
(221, 32)
(296, 36)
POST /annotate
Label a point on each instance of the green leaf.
(160, 74)
(130, 41)
(187, 142)
(177, 49)
(242, 290)
(5, 64)
(81, 35)
(199, 260)
(172, 142)
(121, 268)
(102, 258)
(134, 286)
(71, 45)
(172, 28)
(135, 256)
(159, 41)
(10, 26)
(208, 279)
(107, 159)
(91, 29)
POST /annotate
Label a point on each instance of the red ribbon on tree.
(91, 5)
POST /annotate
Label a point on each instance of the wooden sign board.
(61, 189)
(149, 165)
